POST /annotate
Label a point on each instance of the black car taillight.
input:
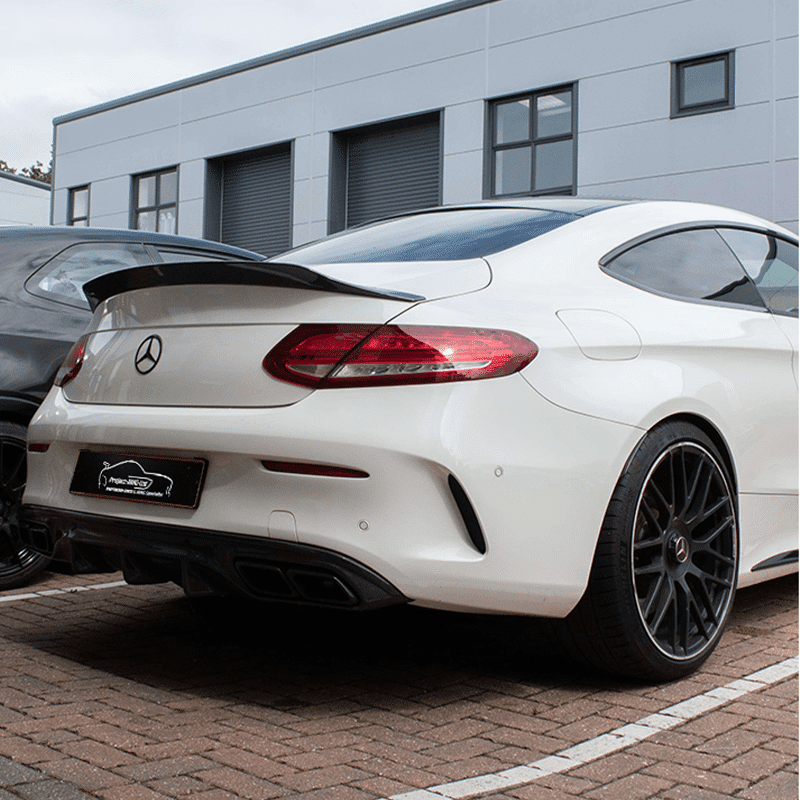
(331, 356)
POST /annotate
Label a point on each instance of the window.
(704, 84)
(689, 265)
(156, 201)
(434, 236)
(62, 278)
(533, 144)
(78, 211)
(771, 263)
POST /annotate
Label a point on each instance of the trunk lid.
(160, 337)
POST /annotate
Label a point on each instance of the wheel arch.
(713, 433)
(18, 408)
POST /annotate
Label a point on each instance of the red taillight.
(72, 363)
(330, 356)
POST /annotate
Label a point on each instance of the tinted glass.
(704, 83)
(147, 191)
(553, 114)
(512, 173)
(554, 165)
(512, 121)
(696, 265)
(436, 236)
(168, 189)
(64, 276)
(771, 263)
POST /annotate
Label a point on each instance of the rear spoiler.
(228, 273)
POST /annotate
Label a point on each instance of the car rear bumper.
(206, 562)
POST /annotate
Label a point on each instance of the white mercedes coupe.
(560, 407)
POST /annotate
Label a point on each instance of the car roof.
(73, 234)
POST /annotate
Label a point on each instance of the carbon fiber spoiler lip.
(228, 273)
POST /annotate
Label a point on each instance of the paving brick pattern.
(135, 693)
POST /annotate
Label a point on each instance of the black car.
(42, 312)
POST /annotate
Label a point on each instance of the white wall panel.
(21, 204)
(321, 154)
(260, 85)
(248, 128)
(666, 147)
(398, 94)
(786, 127)
(110, 196)
(60, 200)
(123, 123)
(786, 67)
(117, 219)
(464, 127)
(319, 199)
(662, 35)
(190, 218)
(514, 19)
(746, 188)
(433, 40)
(786, 16)
(635, 95)
(753, 72)
(462, 181)
(301, 201)
(302, 156)
(128, 156)
(192, 177)
(786, 193)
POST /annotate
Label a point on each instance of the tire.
(18, 564)
(664, 573)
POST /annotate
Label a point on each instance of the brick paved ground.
(135, 693)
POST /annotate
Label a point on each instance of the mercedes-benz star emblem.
(148, 354)
(681, 549)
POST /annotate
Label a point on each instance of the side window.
(62, 277)
(771, 263)
(693, 265)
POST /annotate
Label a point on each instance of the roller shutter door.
(393, 168)
(256, 200)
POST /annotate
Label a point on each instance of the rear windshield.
(433, 236)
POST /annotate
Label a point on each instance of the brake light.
(331, 356)
(72, 363)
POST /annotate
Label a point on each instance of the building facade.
(472, 99)
(23, 201)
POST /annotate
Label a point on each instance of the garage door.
(256, 200)
(392, 168)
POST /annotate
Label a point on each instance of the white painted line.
(611, 742)
(11, 598)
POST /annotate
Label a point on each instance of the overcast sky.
(59, 56)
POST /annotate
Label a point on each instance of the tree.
(35, 172)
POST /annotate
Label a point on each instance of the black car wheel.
(664, 573)
(18, 564)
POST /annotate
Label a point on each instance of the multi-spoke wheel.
(664, 572)
(17, 564)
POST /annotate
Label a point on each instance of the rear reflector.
(297, 468)
(331, 356)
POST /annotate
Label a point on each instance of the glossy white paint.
(538, 453)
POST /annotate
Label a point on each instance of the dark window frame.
(73, 220)
(677, 109)
(491, 147)
(158, 206)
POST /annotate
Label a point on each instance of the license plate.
(162, 481)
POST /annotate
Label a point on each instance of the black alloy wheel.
(664, 573)
(684, 550)
(18, 564)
